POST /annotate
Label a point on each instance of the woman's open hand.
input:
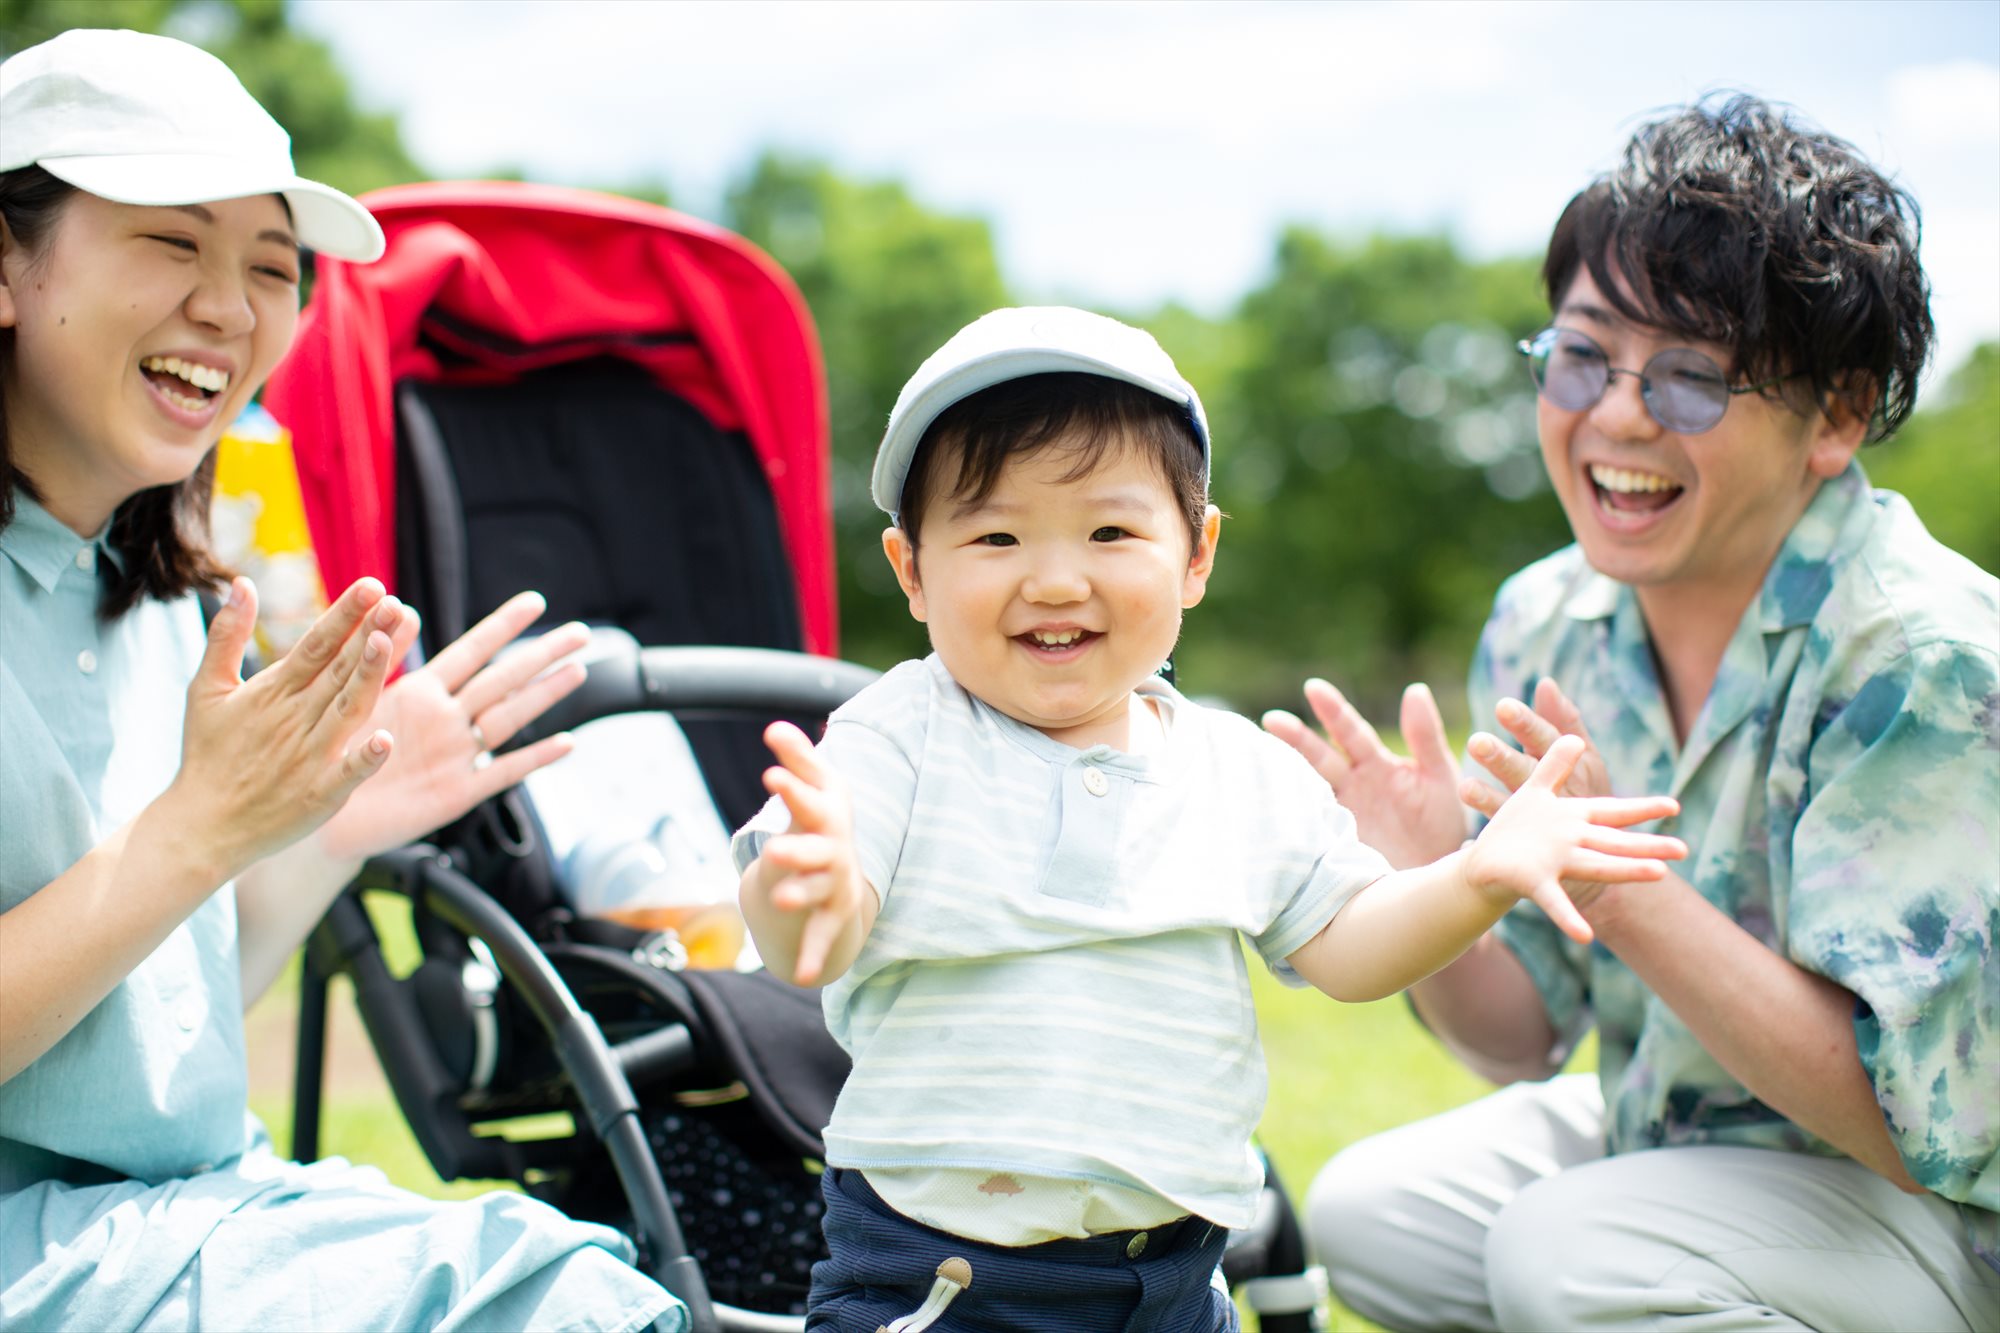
(447, 717)
(266, 761)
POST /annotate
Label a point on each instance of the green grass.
(1339, 1073)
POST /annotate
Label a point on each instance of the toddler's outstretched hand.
(1537, 839)
(813, 865)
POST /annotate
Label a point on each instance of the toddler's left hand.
(1537, 838)
(819, 874)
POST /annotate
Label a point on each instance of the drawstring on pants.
(953, 1276)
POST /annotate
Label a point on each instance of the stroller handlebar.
(694, 681)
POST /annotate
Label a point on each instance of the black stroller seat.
(616, 500)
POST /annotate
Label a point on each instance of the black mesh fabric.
(750, 1214)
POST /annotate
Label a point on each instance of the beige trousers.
(1506, 1214)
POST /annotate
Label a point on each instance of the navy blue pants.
(882, 1266)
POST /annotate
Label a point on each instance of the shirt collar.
(1800, 576)
(37, 541)
(1159, 766)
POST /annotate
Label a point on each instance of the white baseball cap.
(1013, 343)
(139, 119)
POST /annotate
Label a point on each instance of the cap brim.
(325, 219)
(892, 460)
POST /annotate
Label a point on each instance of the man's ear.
(1840, 427)
(901, 550)
(1202, 563)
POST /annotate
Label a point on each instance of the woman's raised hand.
(266, 761)
(448, 717)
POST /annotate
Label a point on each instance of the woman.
(171, 831)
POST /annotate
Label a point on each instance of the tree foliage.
(1947, 460)
(291, 73)
(887, 281)
(1375, 450)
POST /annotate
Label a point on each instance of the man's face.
(1702, 513)
(1054, 597)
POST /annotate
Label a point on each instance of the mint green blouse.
(135, 1189)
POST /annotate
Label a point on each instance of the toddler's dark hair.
(1090, 414)
(1736, 223)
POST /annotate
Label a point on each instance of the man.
(1805, 1019)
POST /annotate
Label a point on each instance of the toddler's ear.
(1202, 563)
(902, 553)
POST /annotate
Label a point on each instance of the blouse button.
(187, 1015)
(86, 558)
(1094, 783)
(86, 662)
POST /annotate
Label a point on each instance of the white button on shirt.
(188, 1013)
(1094, 782)
(86, 662)
(87, 558)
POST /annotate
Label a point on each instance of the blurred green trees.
(887, 280)
(291, 73)
(1374, 429)
(1375, 450)
(1947, 460)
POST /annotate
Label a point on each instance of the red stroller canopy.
(485, 280)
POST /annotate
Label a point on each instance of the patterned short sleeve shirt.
(1840, 798)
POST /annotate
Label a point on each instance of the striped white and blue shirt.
(1054, 990)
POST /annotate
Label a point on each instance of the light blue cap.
(1011, 344)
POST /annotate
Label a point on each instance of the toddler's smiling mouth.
(1057, 640)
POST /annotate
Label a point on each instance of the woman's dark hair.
(1735, 223)
(161, 534)
(1089, 414)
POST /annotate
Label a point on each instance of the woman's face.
(139, 334)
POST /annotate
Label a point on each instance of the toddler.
(1021, 865)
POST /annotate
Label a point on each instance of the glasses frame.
(1536, 350)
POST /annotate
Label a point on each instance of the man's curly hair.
(1736, 223)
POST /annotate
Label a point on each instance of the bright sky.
(1129, 153)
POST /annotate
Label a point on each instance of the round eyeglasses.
(1684, 390)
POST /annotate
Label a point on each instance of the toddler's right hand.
(266, 761)
(814, 861)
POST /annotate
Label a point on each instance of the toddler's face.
(1052, 599)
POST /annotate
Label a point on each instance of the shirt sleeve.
(1341, 865)
(1896, 896)
(878, 765)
